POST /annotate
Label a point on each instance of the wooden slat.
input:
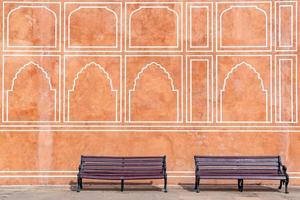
(121, 164)
(245, 177)
(238, 167)
(122, 177)
(203, 163)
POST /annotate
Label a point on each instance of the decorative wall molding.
(286, 37)
(35, 65)
(45, 29)
(193, 50)
(92, 39)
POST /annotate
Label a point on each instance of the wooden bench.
(240, 168)
(121, 168)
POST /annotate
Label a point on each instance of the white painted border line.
(147, 131)
(127, 125)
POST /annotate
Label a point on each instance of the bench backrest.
(238, 164)
(124, 165)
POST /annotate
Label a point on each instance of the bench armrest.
(284, 168)
(80, 165)
(165, 166)
(284, 171)
(196, 167)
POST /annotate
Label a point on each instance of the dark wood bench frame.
(282, 175)
(122, 168)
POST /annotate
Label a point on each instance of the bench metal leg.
(79, 183)
(195, 183)
(122, 185)
(198, 185)
(286, 186)
(165, 184)
(240, 185)
(280, 184)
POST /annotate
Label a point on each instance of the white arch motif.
(155, 7)
(46, 75)
(168, 76)
(228, 77)
(92, 7)
(239, 6)
(106, 75)
(19, 7)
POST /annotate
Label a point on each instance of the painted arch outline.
(46, 76)
(106, 75)
(262, 87)
(165, 73)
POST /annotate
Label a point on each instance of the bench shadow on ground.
(231, 187)
(114, 186)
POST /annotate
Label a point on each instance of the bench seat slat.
(203, 163)
(238, 167)
(239, 171)
(123, 165)
(122, 177)
(122, 171)
(121, 168)
(245, 177)
(236, 160)
(99, 159)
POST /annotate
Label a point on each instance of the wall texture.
(174, 78)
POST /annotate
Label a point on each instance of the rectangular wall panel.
(286, 25)
(199, 26)
(286, 89)
(200, 88)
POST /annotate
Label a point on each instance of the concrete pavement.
(228, 192)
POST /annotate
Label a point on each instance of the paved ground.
(133, 193)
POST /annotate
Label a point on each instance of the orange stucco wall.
(175, 78)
